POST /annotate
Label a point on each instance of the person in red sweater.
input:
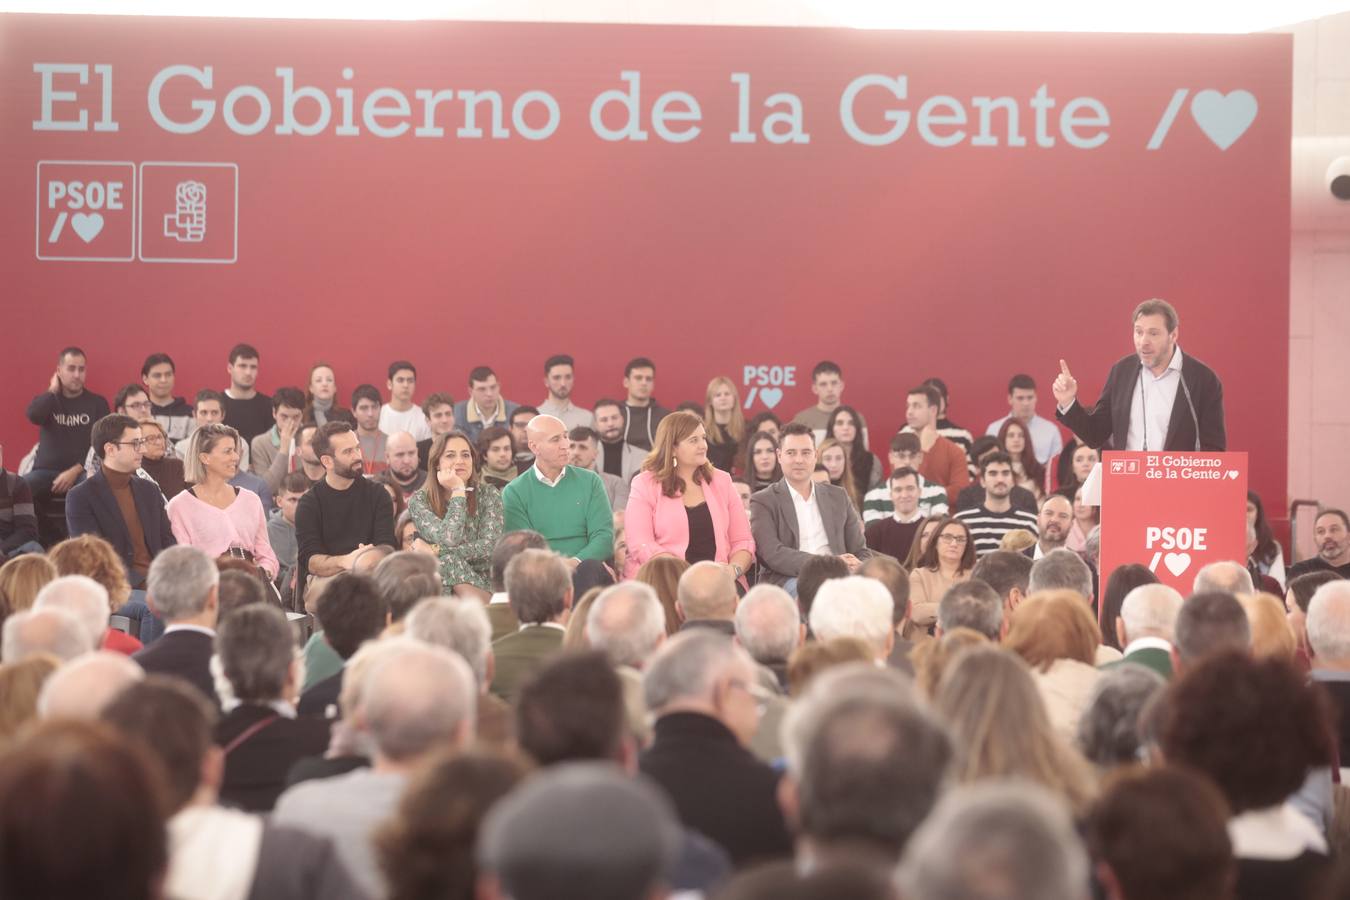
(943, 460)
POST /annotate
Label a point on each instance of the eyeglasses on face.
(952, 538)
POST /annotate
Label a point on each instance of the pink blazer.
(655, 524)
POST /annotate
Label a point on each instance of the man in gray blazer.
(796, 518)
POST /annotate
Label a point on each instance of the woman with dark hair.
(922, 538)
(765, 421)
(1015, 440)
(460, 514)
(846, 428)
(662, 574)
(1256, 728)
(1123, 580)
(681, 505)
(1266, 558)
(761, 461)
(946, 561)
(1081, 461)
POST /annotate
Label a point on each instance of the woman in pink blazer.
(680, 505)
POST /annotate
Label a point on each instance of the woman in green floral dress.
(459, 514)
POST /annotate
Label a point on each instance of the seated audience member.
(1161, 834)
(212, 515)
(80, 786)
(21, 686)
(306, 460)
(834, 467)
(130, 400)
(95, 558)
(1052, 525)
(520, 426)
(321, 394)
(215, 852)
(681, 505)
(503, 620)
(1331, 532)
(401, 469)
(995, 842)
(847, 429)
(404, 579)
(246, 480)
(699, 689)
(528, 847)
(350, 611)
(1054, 632)
(662, 574)
(1028, 472)
(426, 848)
(1075, 464)
(239, 587)
(1272, 635)
(271, 453)
(815, 572)
(1223, 577)
(1045, 440)
(706, 598)
(401, 413)
(321, 660)
(460, 624)
(539, 590)
(894, 534)
(86, 600)
(761, 466)
(565, 504)
(770, 629)
(932, 658)
(342, 514)
(208, 409)
(1328, 630)
(1296, 600)
(944, 462)
(1207, 624)
(1230, 701)
(281, 531)
(81, 688)
(1266, 557)
(1123, 580)
(892, 576)
(827, 383)
(855, 607)
(559, 377)
(1064, 570)
(246, 410)
(163, 467)
(416, 704)
(927, 528)
(181, 590)
(64, 414)
(724, 423)
(1086, 523)
(971, 604)
(796, 519)
(1108, 731)
(262, 737)
(1146, 627)
(959, 436)
(173, 414)
(947, 561)
(995, 517)
(18, 517)
(1018, 541)
(440, 410)
(812, 659)
(497, 449)
(641, 411)
(616, 456)
(583, 451)
(459, 514)
(905, 453)
(1000, 728)
(366, 410)
(1009, 574)
(485, 406)
(973, 496)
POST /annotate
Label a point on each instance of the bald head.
(707, 590)
(627, 623)
(400, 451)
(768, 624)
(1223, 577)
(1055, 519)
(50, 630)
(421, 699)
(547, 438)
(83, 687)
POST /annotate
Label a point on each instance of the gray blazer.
(773, 521)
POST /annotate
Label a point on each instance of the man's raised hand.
(1065, 387)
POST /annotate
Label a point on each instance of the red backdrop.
(899, 261)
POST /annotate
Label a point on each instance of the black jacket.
(1199, 404)
(91, 508)
(186, 654)
(256, 767)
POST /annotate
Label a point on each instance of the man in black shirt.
(246, 410)
(1331, 531)
(65, 413)
(341, 515)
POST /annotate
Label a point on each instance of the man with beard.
(616, 456)
(994, 518)
(403, 472)
(1054, 522)
(342, 514)
(1331, 530)
(558, 378)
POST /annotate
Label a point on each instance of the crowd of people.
(273, 646)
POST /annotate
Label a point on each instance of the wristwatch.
(740, 573)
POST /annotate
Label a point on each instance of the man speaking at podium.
(1156, 399)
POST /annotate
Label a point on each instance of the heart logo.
(1177, 563)
(1223, 118)
(1233, 474)
(771, 396)
(87, 225)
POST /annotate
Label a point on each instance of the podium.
(1173, 511)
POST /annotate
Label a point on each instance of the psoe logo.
(1124, 467)
(767, 382)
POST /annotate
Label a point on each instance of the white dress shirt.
(1151, 408)
(811, 536)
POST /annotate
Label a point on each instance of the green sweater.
(574, 516)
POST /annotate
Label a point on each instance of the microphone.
(1191, 405)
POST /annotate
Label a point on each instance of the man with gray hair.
(508, 546)
(1108, 731)
(461, 625)
(1328, 626)
(770, 628)
(539, 587)
(1063, 570)
(578, 831)
(1207, 624)
(706, 598)
(855, 607)
(418, 702)
(1146, 627)
(82, 687)
(181, 590)
(997, 840)
(701, 687)
(971, 604)
(1223, 577)
(627, 623)
(82, 597)
(405, 577)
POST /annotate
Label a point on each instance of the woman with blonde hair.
(946, 561)
(662, 574)
(833, 457)
(1000, 729)
(681, 505)
(932, 658)
(1057, 635)
(20, 580)
(1272, 636)
(92, 556)
(460, 514)
(575, 636)
(20, 684)
(724, 422)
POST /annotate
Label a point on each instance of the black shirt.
(332, 522)
(722, 450)
(702, 540)
(1315, 564)
(611, 456)
(64, 425)
(641, 424)
(250, 417)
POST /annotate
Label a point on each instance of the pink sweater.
(215, 531)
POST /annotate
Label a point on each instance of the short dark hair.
(905, 472)
(236, 590)
(256, 650)
(523, 411)
(1118, 586)
(994, 459)
(155, 359)
(322, 442)
(508, 547)
(337, 414)
(399, 365)
(124, 394)
(172, 720)
(1156, 307)
(638, 362)
(435, 399)
(583, 433)
(606, 401)
(71, 351)
(351, 612)
(1305, 585)
(940, 385)
(571, 710)
(928, 392)
(982, 445)
(109, 430)
(1003, 570)
(971, 604)
(243, 351)
(558, 359)
(206, 395)
(289, 397)
(814, 572)
(1209, 623)
(295, 482)
(906, 442)
(367, 392)
(798, 429)
(1021, 382)
(890, 573)
(1333, 511)
(479, 373)
(489, 436)
(826, 367)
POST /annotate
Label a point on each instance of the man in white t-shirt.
(401, 413)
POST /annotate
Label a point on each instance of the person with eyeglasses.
(131, 400)
(946, 561)
(127, 511)
(157, 462)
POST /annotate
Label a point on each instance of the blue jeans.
(791, 587)
(28, 547)
(144, 624)
(40, 482)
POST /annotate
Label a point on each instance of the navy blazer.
(185, 654)
(91, 508)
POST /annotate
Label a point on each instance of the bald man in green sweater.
(565, 504)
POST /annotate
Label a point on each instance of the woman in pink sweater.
(212, 514)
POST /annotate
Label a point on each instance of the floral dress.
(463, 544)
